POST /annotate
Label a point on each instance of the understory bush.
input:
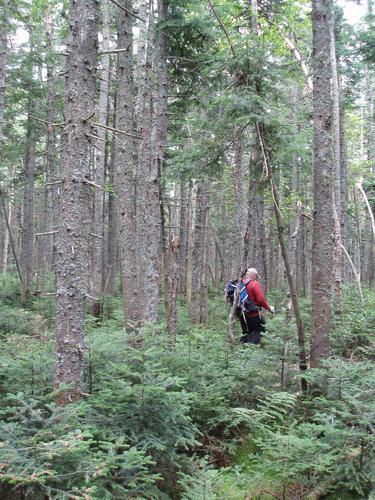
(201, 421)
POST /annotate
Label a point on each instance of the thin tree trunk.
(111, 260)
(288, 270)
(204, 273)
(3, 64)
(155, 188)
(73, 237)
(7, 217)
(337, 254)
(52, 170)
(238, 207)
(173, 289)
(190, 244)
(184, 234)
(323, 192)
(198, 249)
(27, 247)
(99, 178)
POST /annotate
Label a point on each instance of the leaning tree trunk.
(323, 194)
(74, 232)
(286, 259)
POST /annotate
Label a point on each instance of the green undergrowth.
(201, 421)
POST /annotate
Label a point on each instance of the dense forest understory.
(168, 170)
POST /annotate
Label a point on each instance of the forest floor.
(201, 421)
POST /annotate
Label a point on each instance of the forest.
(168, 170)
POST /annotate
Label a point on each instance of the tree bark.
(288, 270)
(125, 175)
(52, 173)
(99, 177)
(3, 65)
(323, 193)
(198, 248)
(204, 273)
(73, 237)
(184, 232)
(337, 254)
(238, 207)
(27, 245)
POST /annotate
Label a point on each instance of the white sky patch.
(354, 13)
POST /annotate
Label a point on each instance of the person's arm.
(260, 299)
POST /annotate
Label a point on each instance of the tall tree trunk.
(53, 174)
(203, 295)
(154, 185)
(337, 254)
(27, 246)
(74, 233)
(3, 64)
(111, 257)
(343, 185)
(97, 240)
(238, 207)
(323, 194)
(198, 248)
(288, 270)
(190, 244)
(183, 232)
(125, 174)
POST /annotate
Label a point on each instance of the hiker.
(252, 322)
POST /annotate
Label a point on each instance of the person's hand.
(272, 309)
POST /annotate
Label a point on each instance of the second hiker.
(253, 300)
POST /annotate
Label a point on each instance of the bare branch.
(222, 27)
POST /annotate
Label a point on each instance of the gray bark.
(238, 207)
(184, 233)
(323, 189)
(73, 237)
(203, 295)
(337, 254)
(3, 64)
(125, 174)
(27, 245)
(100, 161)
(198, 247)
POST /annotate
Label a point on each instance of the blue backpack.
(244, 302)
(230, 290)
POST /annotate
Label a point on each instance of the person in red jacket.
(252, 323)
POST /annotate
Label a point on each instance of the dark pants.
(252, 328)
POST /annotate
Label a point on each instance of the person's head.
(251, 274)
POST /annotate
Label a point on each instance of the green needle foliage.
(201, 421)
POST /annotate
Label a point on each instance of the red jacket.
(255, 293)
